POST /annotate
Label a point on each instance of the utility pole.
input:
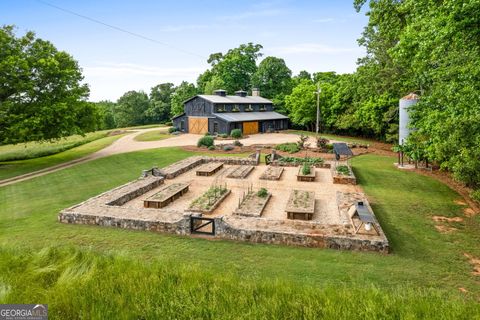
(318, 107)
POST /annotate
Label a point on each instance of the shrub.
(343, 170)
(289, 147)
(205, 141)
(262, 193)
(223, 135)
(236, 133)
(172, 129)
(322, 143)
(228, 148)
(237, 143)
(207, 134)
(306, 168)
(211, 148)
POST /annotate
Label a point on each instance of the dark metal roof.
(342, 149)
(364, 213)
(178, 116)
(250, 116)
(231, 99)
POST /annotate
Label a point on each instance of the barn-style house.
(221, 113)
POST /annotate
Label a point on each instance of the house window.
(182, 125)
(215, 127)
(221, 108)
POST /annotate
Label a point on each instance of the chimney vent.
(220, 92)
(255, 92)
(241, 93)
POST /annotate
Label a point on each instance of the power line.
(121, 29)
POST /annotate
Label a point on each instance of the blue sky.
(310, 35)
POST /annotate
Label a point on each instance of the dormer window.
(221, 108)
(262, 107)
(236, 108)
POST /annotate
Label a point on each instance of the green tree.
(106, 111)
(130, 109)
(236, 67)
(273, 78)
(41, 94)
(301, 104)
(160, 103)
(215, 83)
(183, 92)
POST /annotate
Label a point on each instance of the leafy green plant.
(228, 148)
(306, 169)
(262, 193)
(290, 147)
(223, 135)
(205, 141)
(301, 141)
(172, 129)
(343, 170)
(211, 148)
(322, 142)
(236, 133)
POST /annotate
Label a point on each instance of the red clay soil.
(475, 262)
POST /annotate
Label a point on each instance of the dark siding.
(198, 107)
(177, 123)
(222, 125)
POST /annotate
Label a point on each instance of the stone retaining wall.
(137, 192)
(223, 230)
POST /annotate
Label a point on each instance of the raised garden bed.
(209, 169)
(253, 204)
(295, 162)
(210, 200)
(240, 172)
(306, 176)
(343, 174)
(272, 173)
(301, 205)
(166, 195)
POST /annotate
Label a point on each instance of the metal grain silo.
(405, 103)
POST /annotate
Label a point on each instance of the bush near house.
(236, 133)
(205, 141)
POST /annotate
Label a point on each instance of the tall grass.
(90, 285)
(36, 149)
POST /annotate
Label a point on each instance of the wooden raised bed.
(166, 195)
(209, 169)
(240, 172)
(252, 205)
(272, 173)
(301, 205)
(210, 200)
(306, 177)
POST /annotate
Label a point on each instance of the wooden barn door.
(197, 125)
(250, 127)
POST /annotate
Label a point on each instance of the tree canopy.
(41, 94)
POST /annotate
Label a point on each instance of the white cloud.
(126, 69)
(308, 48)
(109, 81)
(324, 20)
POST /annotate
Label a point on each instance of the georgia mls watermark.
(23, 312)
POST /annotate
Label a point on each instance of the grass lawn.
(14, 168)
(331, 136)
(35, 149)
(153, 135)
(98, 272)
